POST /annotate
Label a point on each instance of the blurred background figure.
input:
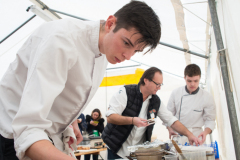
(95, 122)
(95, 125)
(82, 122)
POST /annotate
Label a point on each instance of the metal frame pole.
(154, 66)
(53, 10)
(184, 50)
(223, 64)
(162, 43)
(137, 65)
(17, 29)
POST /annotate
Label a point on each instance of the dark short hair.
(149, 74)
(192, 70)
(98, 111)
(140, 16)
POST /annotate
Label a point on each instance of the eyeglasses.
(157, 85)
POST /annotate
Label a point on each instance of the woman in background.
(94, 122)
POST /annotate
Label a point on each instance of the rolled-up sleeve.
(209, 113)
(118, 102)
(166, 116)
(46, 78)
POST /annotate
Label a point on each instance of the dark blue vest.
(115, 135)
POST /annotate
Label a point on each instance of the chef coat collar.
(94, 38)
(194, 92)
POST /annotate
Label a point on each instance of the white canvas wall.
(228, 15)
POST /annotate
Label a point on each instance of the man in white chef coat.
(57, 72)
(129, 110)
(193, 106)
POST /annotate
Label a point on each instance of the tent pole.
(162, 43)
(157, 67)
(17, 29)
(224, 70)
(184, 50)
(137, 65)
(53, 10)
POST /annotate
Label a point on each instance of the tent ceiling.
(13, 13)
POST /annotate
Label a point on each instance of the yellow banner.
(123, 79)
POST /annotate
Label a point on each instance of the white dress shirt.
(118, 104)
(193, 110)
(53, 78)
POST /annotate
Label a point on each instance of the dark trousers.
(7, 151)
(112, 155)
(88, 156)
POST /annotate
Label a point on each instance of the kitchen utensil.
(178, 149)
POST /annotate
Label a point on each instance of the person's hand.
(78, 135)
(192, 139)
(77, 132)
(79, 120)
(171, 132)
(94, 124)
(140, 122)
(203, 135)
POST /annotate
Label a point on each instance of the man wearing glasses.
(129, 111)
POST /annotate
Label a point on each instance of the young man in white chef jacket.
(57, 72)
(193, 106)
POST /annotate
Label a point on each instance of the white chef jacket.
(53, 78)
(118, 104)
(193, 110)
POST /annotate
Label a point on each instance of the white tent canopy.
(185, 24)
(95, 10)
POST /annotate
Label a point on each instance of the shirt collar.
(194, 92)
(94, 38)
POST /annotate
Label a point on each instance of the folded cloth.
(70, 141)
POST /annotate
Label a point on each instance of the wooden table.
(91, 152)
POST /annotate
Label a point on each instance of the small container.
(86, 140)
(95, 133)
